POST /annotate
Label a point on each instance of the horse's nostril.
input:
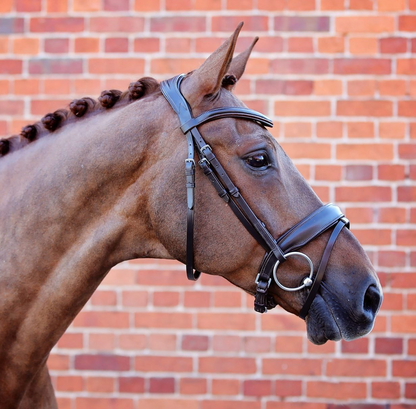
(372, 300)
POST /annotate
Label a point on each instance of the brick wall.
(338, 78)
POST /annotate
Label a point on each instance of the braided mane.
(77, 109)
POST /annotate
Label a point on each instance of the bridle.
(277, 250)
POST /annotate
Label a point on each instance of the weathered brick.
(102, 362)
(298, 23)
(55, 66)
(11, 25)
(57, 24)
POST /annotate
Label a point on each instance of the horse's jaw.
(328, 320)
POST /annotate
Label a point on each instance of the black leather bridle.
(277, 250)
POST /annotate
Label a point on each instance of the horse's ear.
(238, 64)
(206, 80)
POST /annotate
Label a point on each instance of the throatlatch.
(278, 250)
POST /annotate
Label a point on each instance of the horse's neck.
(68, 209)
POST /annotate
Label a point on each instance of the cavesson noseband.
(277, 250)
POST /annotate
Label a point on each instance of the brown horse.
(105, 183)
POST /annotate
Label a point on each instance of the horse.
(87, 188)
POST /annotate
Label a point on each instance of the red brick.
(102, 362)
(285, 388)
(407, 23)
(132, 341)
(197, 299)
(406, 193)
(391, 258)
(195, 343)
(56, 6)
(116, 24)
(353, 367)
(391, 5)
(56, 45)
(307, 150)
(406, 237)
(301, 23)
(192, 386)
(298, 129)
(11, 25)
(239, 5)
(58, 362)
(226, 343)
(227, 365)
(376, 237)
(257, 388)
(104, 403)
(69, 383)
(70, 340)
(284, 87)
(140, 5)
(300, 45)
(373, 108)
(352, 66)
(230, 404)
(163, 320)
(225, 387)
(56, 66)
(389, 346)
(299, 66)
(361, 4)
(90, 5)
(57, 24)
(327, 87)
(102, 319)
(256, 344)
(360, 130)
(173, 65)
(178, 24)
(358, 172)
(116, 66)
(28, 5)
(332, 5)
(406, 66)
(363, 45)
(104, 298)
(271, 5)
(391, 214)
(166, 298)
(242, 322)
(367, 152)
(392, 130)
(147, 45)
(358, 346)
(362, 88)
(331, 45)
(6, 6)
(302, 108)
(11, 107)
(131, 384)
(293, 366)
(87, 45)
(10, 67)
(329, 129)
(116, 5)
(229, 23)
(116, 45)
(393, 45)
(228, 299)
(163, 364)
(328, 172)
(404, 369)
(364, 24)
(336, 390)
(208, 5)
(28, 46)
(102, 342)
(162, 385)
(360, 194)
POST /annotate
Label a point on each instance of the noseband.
(277, 250)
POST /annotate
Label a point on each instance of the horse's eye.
(258, 161)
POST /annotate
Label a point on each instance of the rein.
(277, 251)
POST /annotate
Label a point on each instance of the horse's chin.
(321, 324)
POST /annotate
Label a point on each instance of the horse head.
(276, 209)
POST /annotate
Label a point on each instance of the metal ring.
(307, 282)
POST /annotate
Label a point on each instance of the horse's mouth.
(321, 323)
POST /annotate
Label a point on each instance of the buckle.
(262, 285)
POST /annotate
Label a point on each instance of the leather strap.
(321, 269)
